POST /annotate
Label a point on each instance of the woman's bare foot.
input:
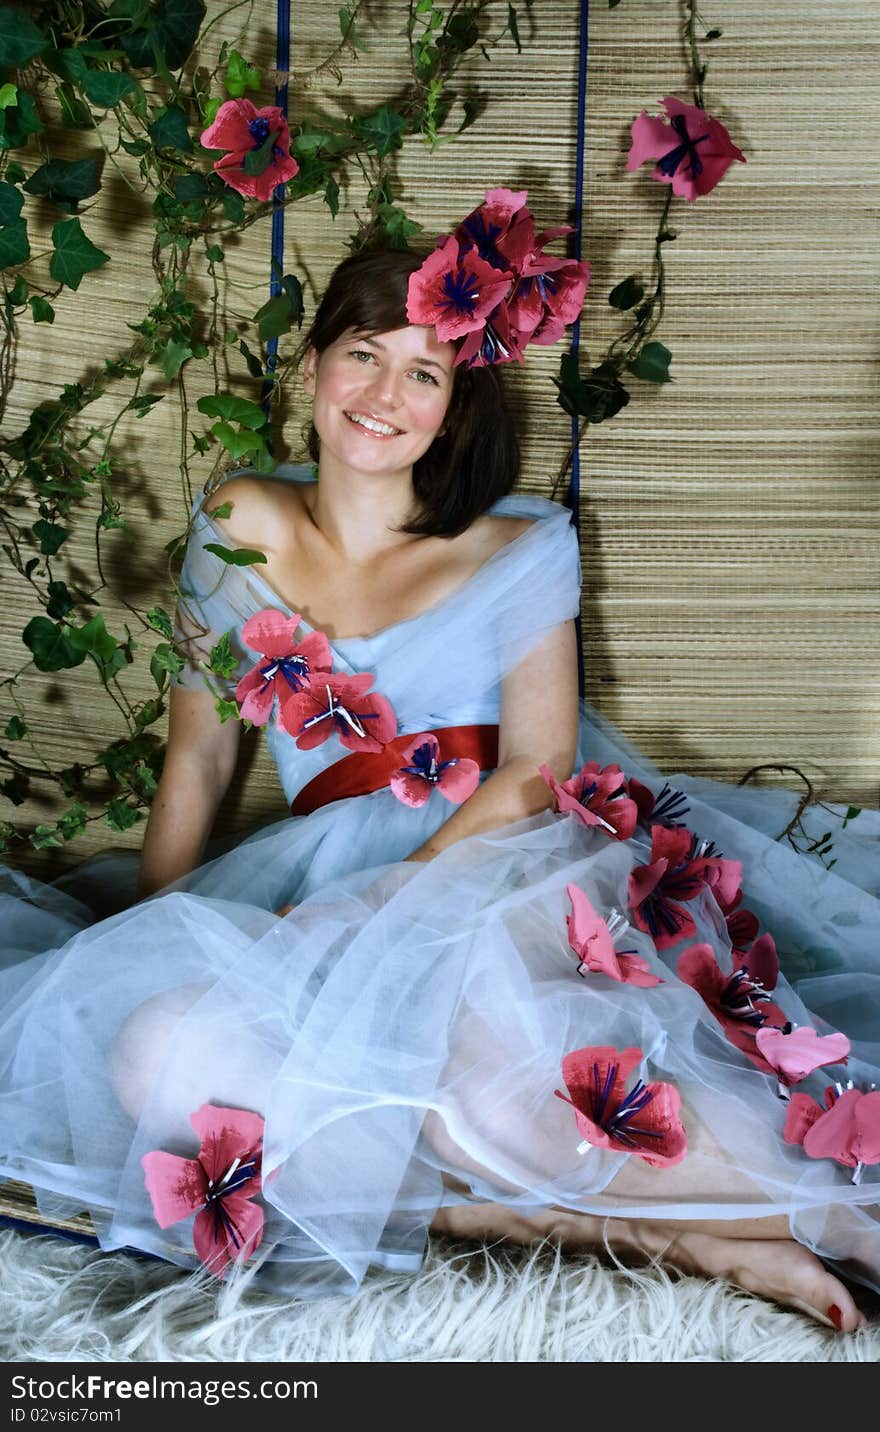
(782, 1271)
(778, 1269)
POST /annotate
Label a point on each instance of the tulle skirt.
(403, 1030)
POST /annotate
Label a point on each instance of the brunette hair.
(476, 458)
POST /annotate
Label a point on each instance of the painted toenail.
(836, 1316)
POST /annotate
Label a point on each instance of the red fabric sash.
(360, 773)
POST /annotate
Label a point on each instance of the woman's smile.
(373, 426)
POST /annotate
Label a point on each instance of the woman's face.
(380, 401)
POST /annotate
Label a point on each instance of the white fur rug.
(64, 1302)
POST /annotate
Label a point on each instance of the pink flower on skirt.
(218, 1186)
(593, 943)
(455, 779)
(693, 150)
(740, 1001)
(681, 864)
(644, 1122)
(288, 666)
(596, 796)
(794, 1052)
(241, 129)
(846, 1130)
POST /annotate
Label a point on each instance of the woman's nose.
(386, 388)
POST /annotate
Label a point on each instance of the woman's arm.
(199, 765)
(539, 725)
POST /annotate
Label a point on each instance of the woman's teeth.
(372, 426)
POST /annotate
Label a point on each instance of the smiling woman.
(424, 1037)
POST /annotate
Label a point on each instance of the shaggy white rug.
(64, 1302)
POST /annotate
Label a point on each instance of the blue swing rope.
(573, 498)
(282, 64)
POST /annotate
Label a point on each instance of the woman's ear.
(309, 369)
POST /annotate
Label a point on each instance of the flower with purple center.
(241, 129)
(673, 142)
(645, 1121)
(287, 668)
(456, 778)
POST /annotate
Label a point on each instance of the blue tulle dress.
(402, 1030)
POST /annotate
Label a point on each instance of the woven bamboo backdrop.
(731, 518)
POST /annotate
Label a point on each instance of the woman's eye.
(360, 353)
(423, 377)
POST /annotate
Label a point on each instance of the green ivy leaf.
(14, 173)
(60, 601)
(652, 364)
(597, 397)
(214, 254)
(94, 640)
(232, 409)
(383, 130)
(210, 109)
(73, 821)
(240, 76)
(223, 660)
(254, 366)
(63, 182)
(189, 188)
(17, 294)
(225, 709)
(149, 712)
(626, 294)
(143, 403)
(169, 130)
(107, 88)
(50, 646)
(172, 356)
(44, 837)
(257, 161)
(331, 197)
(14, 246)
(20, 40)
(135, 147)
(15, 788)
(50, 536)
(237, 443)
(120, 816)
(232, 556)
(396, 227)
(11, 203)
(224, 510)
(75, 255)
(19, 121)
(15, 729)
(8, 95)
(74, 113)
(160, 621)
(165, 660)
(41, 309)
(233, 206)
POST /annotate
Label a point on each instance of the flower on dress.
(218, 1186)
(680, 865)
(644, 1122)
(362, 719)
(742, 925)
(693, 150)
(592, 940)
(596, 796)
(455, 291)
(455, 779)
(288, 666)
(846, 1130)
(796, 1050)
(241, 129)
(739, 1001)
(668, 807)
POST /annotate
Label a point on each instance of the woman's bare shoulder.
(497, 532)
(252, 508)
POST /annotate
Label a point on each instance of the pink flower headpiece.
(491, 287)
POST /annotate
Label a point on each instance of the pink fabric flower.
(217, 1186)
(846, 1130)
(495, 342)
(742, 924)
(644, 1122)
(694, 150)
(455, 779)
(739, 1001)
(362, 719)
(794, 1052)
(241, 129)
(593, 943)
(288, 667)
(455, 291)
(668, 807)
(596, 796)
(680, 865)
